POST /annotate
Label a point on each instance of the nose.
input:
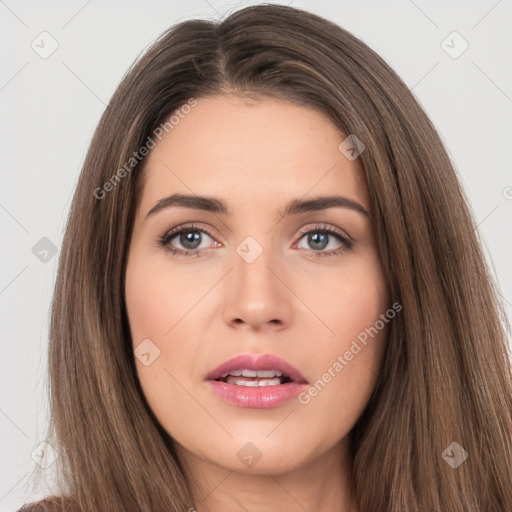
(257, 295)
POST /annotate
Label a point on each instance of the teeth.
(254, 373)
(269, 373)
(253, 383)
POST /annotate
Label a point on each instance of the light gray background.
(50, 107)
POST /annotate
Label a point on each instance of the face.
(297, 290)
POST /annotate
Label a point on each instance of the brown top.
(39, 506)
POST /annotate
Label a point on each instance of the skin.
(308, 309)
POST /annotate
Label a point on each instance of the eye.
(320, 236)
(189, 237)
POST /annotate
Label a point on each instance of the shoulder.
(33, 507)
(46, 505)
(38, 506)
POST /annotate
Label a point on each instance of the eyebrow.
(294, 207)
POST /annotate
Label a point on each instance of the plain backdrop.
(60, 64)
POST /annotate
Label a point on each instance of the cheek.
(156, 298)
(346, 299)
(152, 305)
(347, 360)
(159, 300)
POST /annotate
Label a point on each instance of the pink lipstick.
(256, 381)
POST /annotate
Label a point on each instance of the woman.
(259, 374)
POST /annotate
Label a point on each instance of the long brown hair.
(446, 375)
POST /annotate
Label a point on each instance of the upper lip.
(257, 362)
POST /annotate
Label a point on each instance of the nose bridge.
(255, 259)
(257, 295)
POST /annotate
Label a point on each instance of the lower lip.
(261, 397)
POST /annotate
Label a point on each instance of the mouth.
(256, 371)
(258, 382)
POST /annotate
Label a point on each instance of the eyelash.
(164, 241)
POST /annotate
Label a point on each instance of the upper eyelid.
(326, 227)
(319, 226)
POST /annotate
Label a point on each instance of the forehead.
(251, 152)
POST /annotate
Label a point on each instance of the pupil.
(191, 237)
(315, 238)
